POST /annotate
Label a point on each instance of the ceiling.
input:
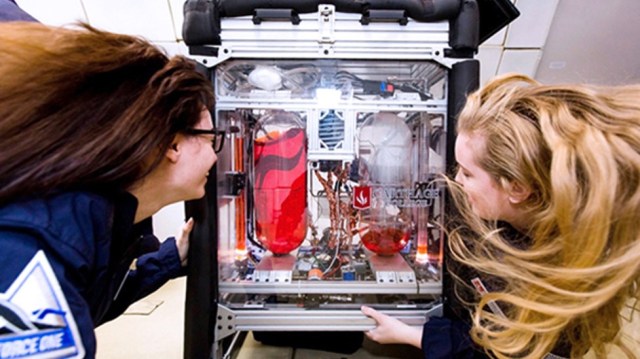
(589, 41)
(593, 41)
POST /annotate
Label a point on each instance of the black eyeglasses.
(218, 136)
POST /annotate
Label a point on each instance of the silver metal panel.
(327, 34)
(353, 287)
(230, 321)
(300, 105)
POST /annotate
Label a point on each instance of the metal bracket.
(225, 322)
(268, 14)
(326, 23)
(398, 16)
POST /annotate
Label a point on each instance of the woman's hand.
(182, 241)
(390, 330)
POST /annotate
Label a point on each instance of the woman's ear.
(174, 150)
(518, 192)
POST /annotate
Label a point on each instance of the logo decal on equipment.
(361, 197)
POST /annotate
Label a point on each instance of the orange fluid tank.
(385, 147)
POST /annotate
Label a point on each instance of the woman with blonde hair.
(559, 166)
(98, 131)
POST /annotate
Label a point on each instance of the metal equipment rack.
(368, 94)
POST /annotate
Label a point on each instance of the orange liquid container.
(241, 246)
(280, 190)
(385, 150)
(385, 240)
(421, 254)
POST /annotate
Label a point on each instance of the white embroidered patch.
(35, 319)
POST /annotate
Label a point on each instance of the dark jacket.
(91, 243)
(448, 336)
(9, 11)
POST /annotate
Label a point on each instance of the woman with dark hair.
(559, 165)
(98, 131)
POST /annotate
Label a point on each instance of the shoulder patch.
(35, 319)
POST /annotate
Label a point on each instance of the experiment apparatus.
(339, 121)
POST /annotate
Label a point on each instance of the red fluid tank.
(386, 240)
(280, 188)
(385, 149)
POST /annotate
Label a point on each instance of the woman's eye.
(464, 174)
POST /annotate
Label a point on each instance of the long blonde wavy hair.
(577, 148)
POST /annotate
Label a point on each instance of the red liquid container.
(386, 240)
(385, 155)
(280, 189)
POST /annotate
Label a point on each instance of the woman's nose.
(215, 158)
(457, 177)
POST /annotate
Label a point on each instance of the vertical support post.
(201, 302)
(464, 78)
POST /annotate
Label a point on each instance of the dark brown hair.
(88, 109)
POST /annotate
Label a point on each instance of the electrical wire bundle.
(383, 89)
